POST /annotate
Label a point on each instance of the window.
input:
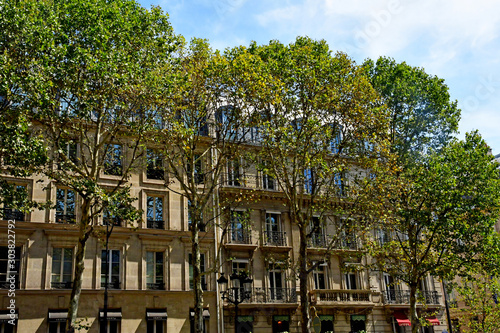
(197, 174)
(239, 266)
(155, 326)
(390, 289)
(62, 268)
(65, 206)
(113, 160)
(154, 212)
(110, 217)
(268, 182)
(69, 150)
(336, 138)
(358, 323)
(318, 238)
(16, 199)
(154, 270)
(351, 281)
(276, 283)
(274, 235)
(57, 327)
(233, 173)
(319, 277)
(206, 317)
(202, 269)
(9, 270)
(110, 265)
(201, 225)
(154, 167)
(309, 181)
(340, 183)
(9, 328)
(239, 229)
(109, 327)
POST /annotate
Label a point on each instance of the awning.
(281, 318)
(401, 319)
(112, 315)
(206, 314)
(326, 317)
(433, 320)
(358, 318)
(156, 314)
(6, 317)
(58, 316)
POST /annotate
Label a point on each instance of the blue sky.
(457, 40)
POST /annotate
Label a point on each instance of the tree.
(208, 122)
(89, 75)
(440, 215)
(478, 292)
(323, 128)
(422, 117)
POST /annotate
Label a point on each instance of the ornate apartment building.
(149, 275)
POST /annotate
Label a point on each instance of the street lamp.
(240, 291)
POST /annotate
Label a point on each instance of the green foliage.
(422, 115)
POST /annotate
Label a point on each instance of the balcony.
(271, 296)
(350, 242)
(240, 236)
(111, 285)
(66, 218)
(115, 221)
(275, 238)
(158, 224)
(403, 297)
(341, 296)
(155, 286)
(11, 214)
(239, 180)
(61, 285)
(318, 241)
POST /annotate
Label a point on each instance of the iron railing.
(403, 297)
(66, 218)
(240, 236)
(156, 224)
(156, 286)
(275, 238)
(268, 295)
(341, 295)
(61, 285)
(12, 214)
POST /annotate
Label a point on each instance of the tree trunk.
(415, 323)
(304, 295)
(197, 281)
(79, 267)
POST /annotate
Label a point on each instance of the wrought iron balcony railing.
(240, 236)
(275, 238)
(268, 295)
(158, 224)
(112, 285)
(403, 297)
(341, 295)
(318, 241)
(11, 214)
(156, 286)
(61, 285)
(66, 218)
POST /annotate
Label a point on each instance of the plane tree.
(207, 126)
(88, 76)
(322, 132)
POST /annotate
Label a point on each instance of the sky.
(456, 40)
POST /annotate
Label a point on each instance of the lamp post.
(240, 291)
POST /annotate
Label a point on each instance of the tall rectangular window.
(62, 268)
(154, 212)
(195, 170)
(111, 266)
(9, 271)
(13, 201)
(113, 164)
(268, 182)
(154, 270)
(154, 168)
(309, 181)
(351, 281)
(69, 150)
(65, 206)
(240, 232)
(233, 173)
(276, 283)
(274, 235)
(319, 277)
(202, 269)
